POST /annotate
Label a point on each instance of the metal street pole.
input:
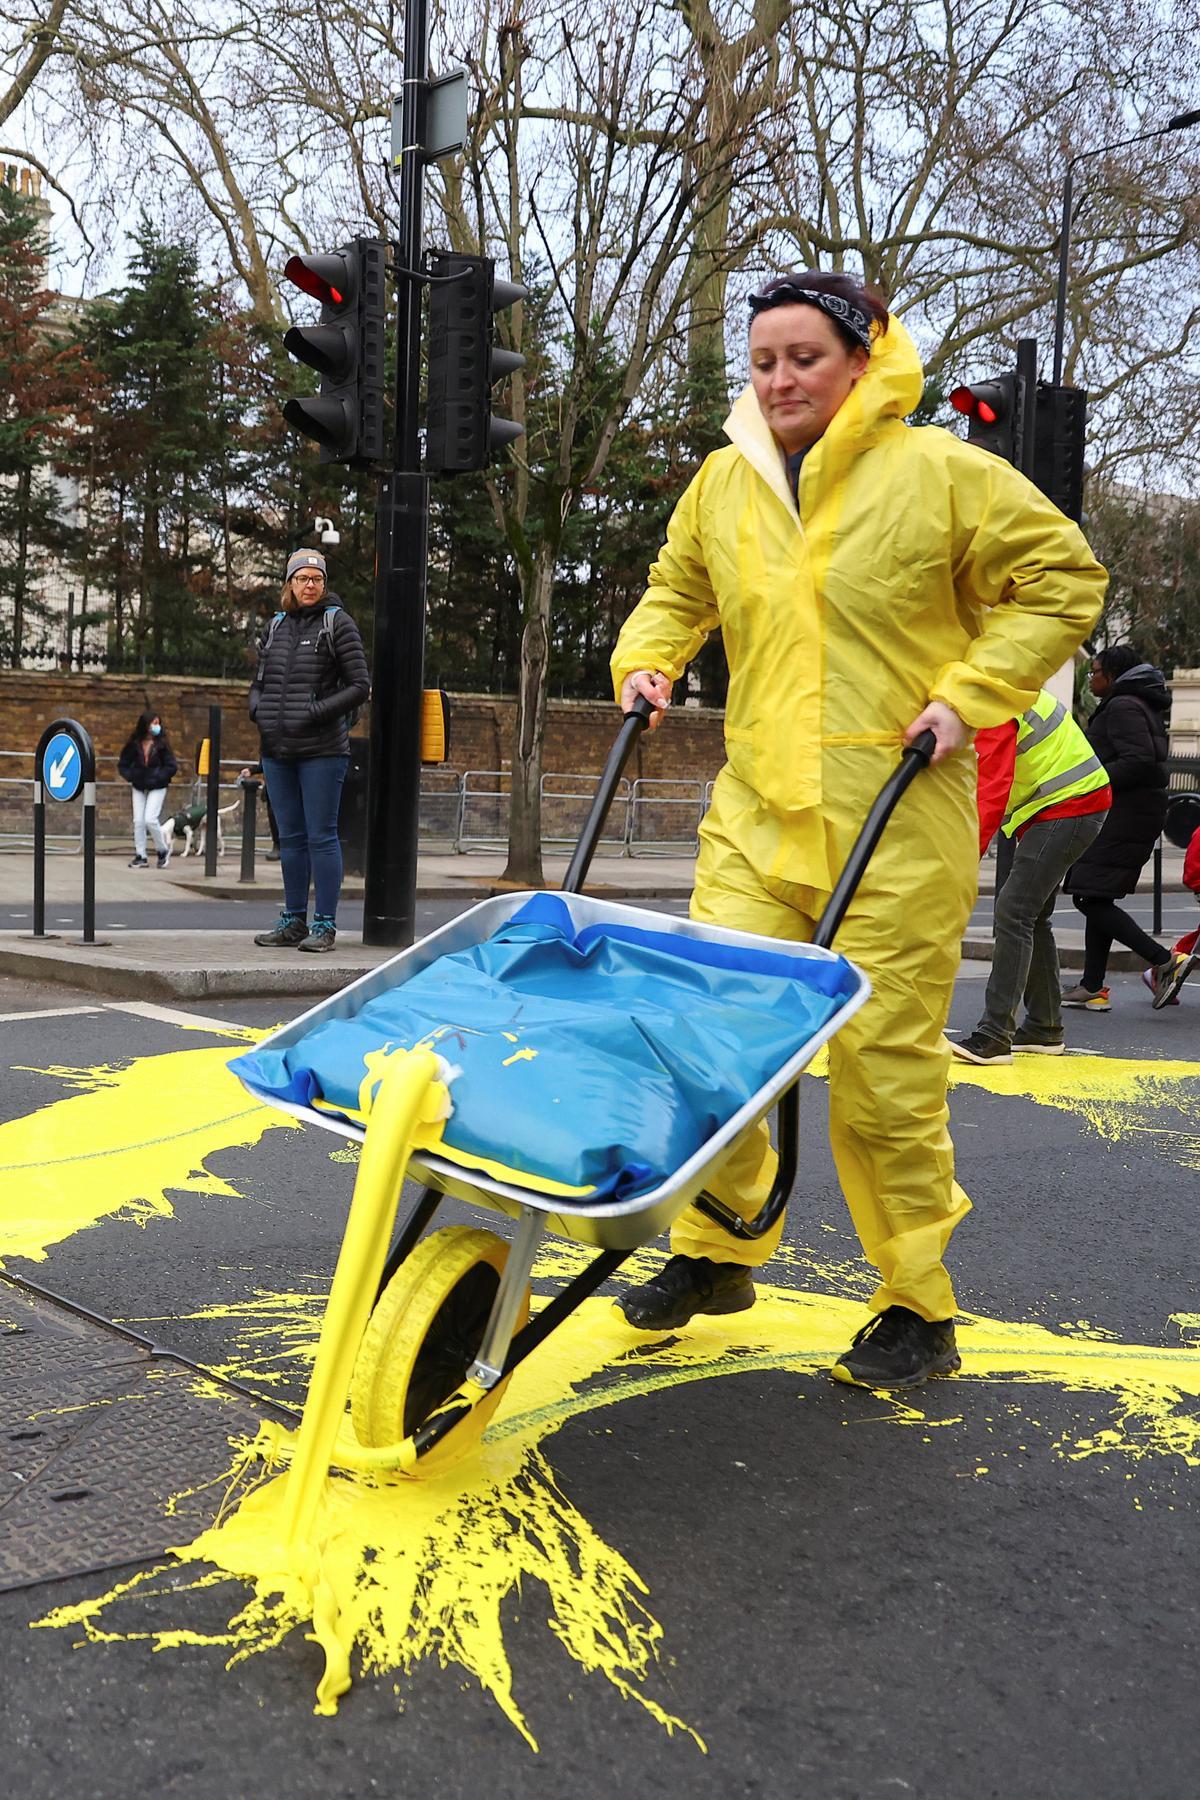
(401, 537)
(1181, 122)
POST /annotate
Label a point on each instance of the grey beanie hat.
(305, 559)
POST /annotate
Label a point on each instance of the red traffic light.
(967, 400)
(327, 278)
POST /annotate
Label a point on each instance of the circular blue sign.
(62, 767)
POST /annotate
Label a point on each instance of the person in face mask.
(148, 764)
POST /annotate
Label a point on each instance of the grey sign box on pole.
(445, 117)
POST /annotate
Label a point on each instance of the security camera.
(328, 531)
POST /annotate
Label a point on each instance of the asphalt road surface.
(988, 1589)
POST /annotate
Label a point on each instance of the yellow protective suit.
(917, 567)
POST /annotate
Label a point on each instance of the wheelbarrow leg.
(488, 1366)
(785, 1178)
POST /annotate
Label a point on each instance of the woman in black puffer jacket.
(312, 674)
(1128, 732)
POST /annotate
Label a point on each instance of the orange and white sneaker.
(1096, 1000)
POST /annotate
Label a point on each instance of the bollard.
(213, 797)
(249, 826)
(1156, 927)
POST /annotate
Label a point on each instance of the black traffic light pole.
(401, 538)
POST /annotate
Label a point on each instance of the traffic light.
(464, 363)
(993, 413)
(346, 416)
(1060, 433)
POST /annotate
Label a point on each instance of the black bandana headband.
(790, 293)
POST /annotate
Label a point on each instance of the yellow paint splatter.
(525, 1055)
(131, 1135)
(1116, 1096)
(422, 1570)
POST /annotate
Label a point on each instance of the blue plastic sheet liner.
(601, 1058)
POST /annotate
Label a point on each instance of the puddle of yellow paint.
(423, 1570)
(118, 1145)
(1116, 1096)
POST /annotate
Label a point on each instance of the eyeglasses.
(309, 580)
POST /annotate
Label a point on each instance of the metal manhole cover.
(99, 1438)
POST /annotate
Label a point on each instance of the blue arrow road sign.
(62, 770)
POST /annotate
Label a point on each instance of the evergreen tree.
(45, 389)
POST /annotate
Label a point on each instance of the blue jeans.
(1025, 960)
(304, 797)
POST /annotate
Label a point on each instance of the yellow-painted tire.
(422, 1338)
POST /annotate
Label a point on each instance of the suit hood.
(1146, 683)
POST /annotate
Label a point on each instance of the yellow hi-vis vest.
(1054, 763)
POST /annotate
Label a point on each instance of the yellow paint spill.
(133, 1133)
(1115, 1095)
(425, 1570)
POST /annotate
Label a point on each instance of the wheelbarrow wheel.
(421, 1339)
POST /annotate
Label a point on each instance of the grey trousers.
(1025, 961)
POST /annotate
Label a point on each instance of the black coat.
(1128, 732)
(154, 770)
(310, 677)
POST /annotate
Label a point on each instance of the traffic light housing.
(993, 413)
(346, 415)
(1060, 435)
(461, 431)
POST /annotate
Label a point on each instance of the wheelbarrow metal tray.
(612, 1223)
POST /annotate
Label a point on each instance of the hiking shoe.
(975, 1048)
(271, 855)
(321, 937)
(138, 862)
(1025, 1040)
(164, 857)
(287, 933)
(898, 1349)
(687, 1285)
(1097, 1001)
(1167, 978)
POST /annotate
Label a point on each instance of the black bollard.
(249, 826)
(213, 797)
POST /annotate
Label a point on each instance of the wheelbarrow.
(424, 1337)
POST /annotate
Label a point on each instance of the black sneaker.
(321, 937)
(287, 933)
(138, 862)
(164, 857)
(1038, 1046)
(898, 1349)
(1167, 978)
(687, 1285)
(975, 1048)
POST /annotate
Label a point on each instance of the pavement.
(167, 962)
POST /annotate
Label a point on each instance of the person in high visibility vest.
(1041, 782)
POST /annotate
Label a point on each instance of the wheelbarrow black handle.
(915, 758)
(635, 722)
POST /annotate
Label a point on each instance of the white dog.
(192, 826)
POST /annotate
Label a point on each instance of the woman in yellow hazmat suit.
(870, 581)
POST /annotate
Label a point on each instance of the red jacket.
(996, 748)
(1191, 865)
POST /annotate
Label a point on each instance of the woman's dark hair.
(844, 291)
(142, 728)
(1117, 660)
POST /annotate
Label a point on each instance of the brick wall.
(578, 732)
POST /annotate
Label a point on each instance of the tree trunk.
(24, 488)
(525, 817)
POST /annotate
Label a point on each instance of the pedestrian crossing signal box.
(435, 726)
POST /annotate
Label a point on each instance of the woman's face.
(802, 370)
(1098, 681)
(308, 586)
